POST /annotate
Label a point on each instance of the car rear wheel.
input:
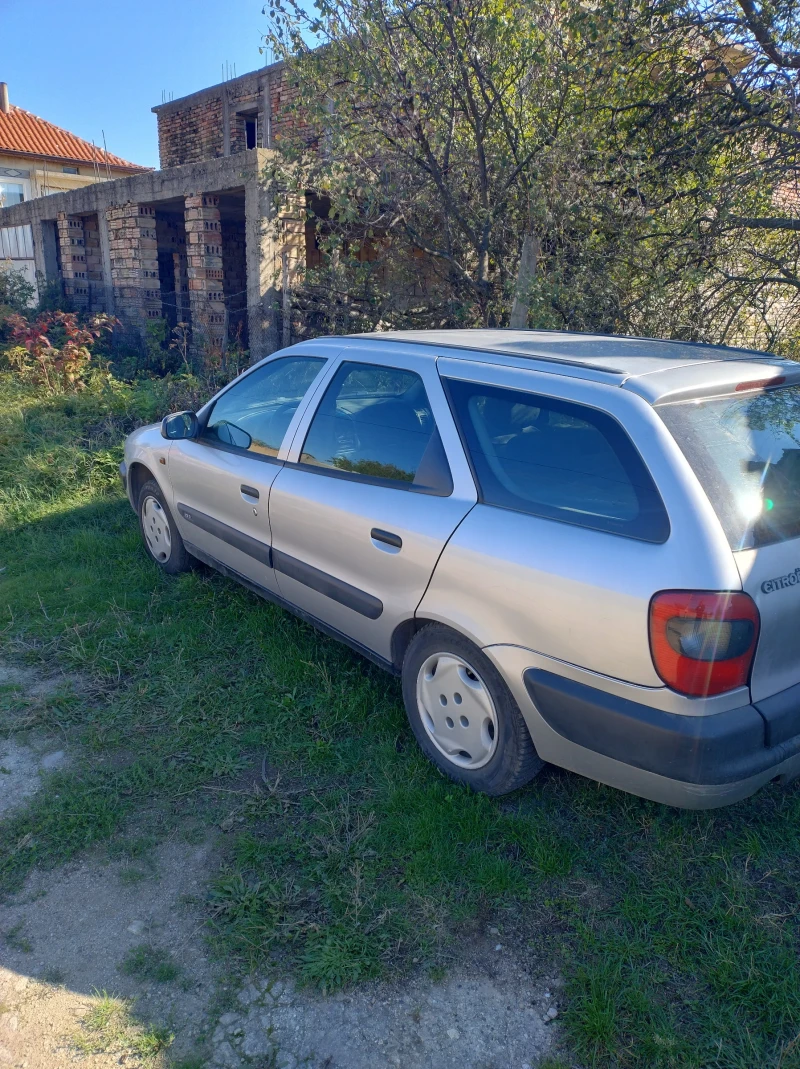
(160, 535)
(463, 714)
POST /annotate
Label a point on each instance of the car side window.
(255, 413)
(375, 424)
(558, 460)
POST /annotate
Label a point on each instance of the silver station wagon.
(573, 549)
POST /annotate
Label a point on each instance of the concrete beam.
(212, 176)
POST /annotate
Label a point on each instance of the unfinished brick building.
(189, 242)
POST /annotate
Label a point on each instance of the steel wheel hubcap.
(457, 710)
(156, 529)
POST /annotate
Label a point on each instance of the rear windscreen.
(746, 453)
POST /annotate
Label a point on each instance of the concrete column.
(226, 123)
(73, 259)
(134, 265)
(105, 260)
(204, 257)
(45, 255)
(263, 265)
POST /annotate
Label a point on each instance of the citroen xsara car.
(573, 549)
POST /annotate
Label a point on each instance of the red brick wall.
(192, 134)
(283, 91)
(195, 131)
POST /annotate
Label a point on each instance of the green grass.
(110, 1028)
(147, 962)
(676, 932)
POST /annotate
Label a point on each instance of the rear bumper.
(743, 747)
(123, 474)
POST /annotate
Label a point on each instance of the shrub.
(16, 294)
(54, 351)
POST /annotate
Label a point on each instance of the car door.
(375, 483)
(221, 480)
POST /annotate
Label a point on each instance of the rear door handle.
(249, 491)
(386, 536)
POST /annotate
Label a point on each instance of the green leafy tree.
(430, 139)
(426, 130)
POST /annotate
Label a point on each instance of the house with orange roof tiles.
(38, 158)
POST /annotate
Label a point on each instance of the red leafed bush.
(55, 349)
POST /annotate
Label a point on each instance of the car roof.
(659, 370)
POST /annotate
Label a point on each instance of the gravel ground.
(21, 764)
(485, 1016)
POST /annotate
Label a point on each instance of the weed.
(15, 939)
(109, 1027)
(131, 875)
(147, 962)
(334, 959)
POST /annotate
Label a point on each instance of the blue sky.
(92, 65)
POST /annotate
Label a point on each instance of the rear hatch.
(745, 450)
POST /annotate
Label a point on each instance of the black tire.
(514, 760)
(169, 553)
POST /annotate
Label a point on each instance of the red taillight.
(703, 642)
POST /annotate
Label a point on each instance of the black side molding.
(268, 595)
(329, 585)
(336, 589)
(260, 551)
(718, 748)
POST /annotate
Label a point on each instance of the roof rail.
(494, 349)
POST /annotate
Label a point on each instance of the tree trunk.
(525, 276)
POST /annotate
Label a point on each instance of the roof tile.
(23, 133)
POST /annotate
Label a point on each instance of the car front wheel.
(463, 715)
(160, 535)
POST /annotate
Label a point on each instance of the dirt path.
(104, 964)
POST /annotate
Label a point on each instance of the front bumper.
(749, 742)
(123, 474)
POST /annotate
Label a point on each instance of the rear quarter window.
(745, 451)
(557, 460)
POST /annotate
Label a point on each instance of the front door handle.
(249, 491)
(386, 536)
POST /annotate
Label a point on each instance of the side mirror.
(180, 425)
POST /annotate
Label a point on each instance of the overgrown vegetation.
(647, 149)
(54, 350)
(344, 852)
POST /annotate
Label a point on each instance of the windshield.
(746, 453)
